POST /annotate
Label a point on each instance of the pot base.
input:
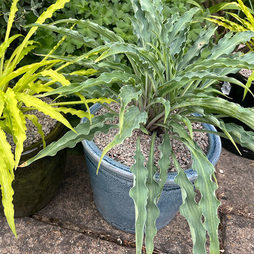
(35, 186)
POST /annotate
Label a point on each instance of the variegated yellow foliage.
(21, 88)
(240, 24)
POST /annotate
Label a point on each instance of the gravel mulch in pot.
(124, 153)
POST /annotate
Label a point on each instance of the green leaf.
(88, 85)
(208, 203)
(165, 103)
(181, 22)
(139, 194)
(224, 107)
(223, 6)
(90, 25)
(248, 84)
(132, 120)
(190, 209)
(220, 63)
(138, 54)
(68, 32)
(153, 211)
(227, 44)
(31, 101)
(196, 48)
(240, 136)
(164, 161)
(127, 94)
(83, 131)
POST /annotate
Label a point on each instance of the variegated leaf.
(33, 67)
(152, 209)
(190, 210)
(164, 161)
(7, 164)
(34, 120)
(31, 101)
(139, 193)
(18, 123)
(132, 120)
(83, 131)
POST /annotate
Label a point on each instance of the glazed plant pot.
(236, 95)
(35, 185)
(112, 185)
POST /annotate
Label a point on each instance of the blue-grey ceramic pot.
(112, 184)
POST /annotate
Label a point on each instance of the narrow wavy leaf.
(83, 131)
(32, 67)
(164, 161)
(88, 85)
(18, 123)
(132, 120)
(152, 209)
(45, 15)
(190, 210)
(56, 77)
(31, 101)
(68, 32)
(139, 194)
(34, 120)
(6, 44)
(7, 164)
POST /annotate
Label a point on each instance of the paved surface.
(72, 224)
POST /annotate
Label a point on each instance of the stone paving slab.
(235, 176)
(36, 237)
(238, 234)
(74, 204)
(72, 224)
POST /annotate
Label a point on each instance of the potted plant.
(237, 94)
(165, 82)
(23, 88)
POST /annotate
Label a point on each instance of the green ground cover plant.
(113, 14)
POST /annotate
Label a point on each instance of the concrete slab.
(74, 205)
(238, 234)
(235, 176)
(38, 237)
(72, 224)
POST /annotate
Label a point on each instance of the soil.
(124, 153)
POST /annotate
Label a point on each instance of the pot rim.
(34, 148)
(213, 155)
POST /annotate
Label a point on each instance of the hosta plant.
(21, 90)
(164, 82)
